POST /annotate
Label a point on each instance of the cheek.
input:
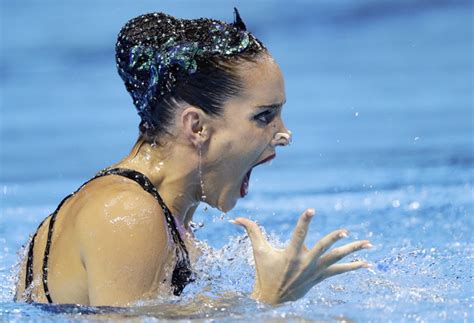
(253, 143)
(241, 145)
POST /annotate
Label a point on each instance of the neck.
(176, 179)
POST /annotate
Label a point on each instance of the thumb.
(254, 232)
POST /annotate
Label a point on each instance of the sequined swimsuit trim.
(182, 274)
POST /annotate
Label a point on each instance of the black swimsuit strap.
(29, 263)
(182, 273)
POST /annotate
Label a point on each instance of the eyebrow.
(271, 106)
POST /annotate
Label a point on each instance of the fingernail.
(343, 234)
(367, 245)
(310, 212)
(367, 265)
(235, 222)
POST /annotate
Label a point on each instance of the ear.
(195, 126)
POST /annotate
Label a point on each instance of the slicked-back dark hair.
(164, 61)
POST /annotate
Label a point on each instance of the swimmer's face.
(246, 134)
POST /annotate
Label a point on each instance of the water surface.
(380, 101)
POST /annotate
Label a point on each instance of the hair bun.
(154, 50)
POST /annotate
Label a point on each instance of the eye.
(265, 117)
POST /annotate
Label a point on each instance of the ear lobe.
(193, 125)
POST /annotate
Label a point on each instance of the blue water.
(380, 101)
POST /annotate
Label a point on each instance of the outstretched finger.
(337, 269)
(338, 253)
(297, 240)
(325, 243)
(254, 232)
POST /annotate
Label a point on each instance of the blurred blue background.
(380, 101)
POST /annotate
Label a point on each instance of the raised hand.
(288, 274)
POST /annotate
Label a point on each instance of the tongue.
(244, 188)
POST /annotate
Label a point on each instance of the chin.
(226, 205)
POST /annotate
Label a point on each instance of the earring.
(201, 181)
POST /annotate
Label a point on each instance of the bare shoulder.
(122, 240)
(113, 207)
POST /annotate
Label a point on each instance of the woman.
(209, 96)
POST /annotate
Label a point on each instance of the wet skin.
(111, 245)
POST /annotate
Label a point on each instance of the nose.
(282, 138)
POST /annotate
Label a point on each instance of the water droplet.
(367, 201)
(414, 205)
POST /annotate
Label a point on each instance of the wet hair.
(165, 61)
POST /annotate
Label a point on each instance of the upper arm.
(123, 244)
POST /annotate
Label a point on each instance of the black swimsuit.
(182, 273)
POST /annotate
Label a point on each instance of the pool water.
(380, 102)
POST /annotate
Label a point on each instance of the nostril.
(282, 139)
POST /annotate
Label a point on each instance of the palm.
(289, 273)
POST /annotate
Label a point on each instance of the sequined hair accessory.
(155, 51)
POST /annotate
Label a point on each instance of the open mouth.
(244, 187)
